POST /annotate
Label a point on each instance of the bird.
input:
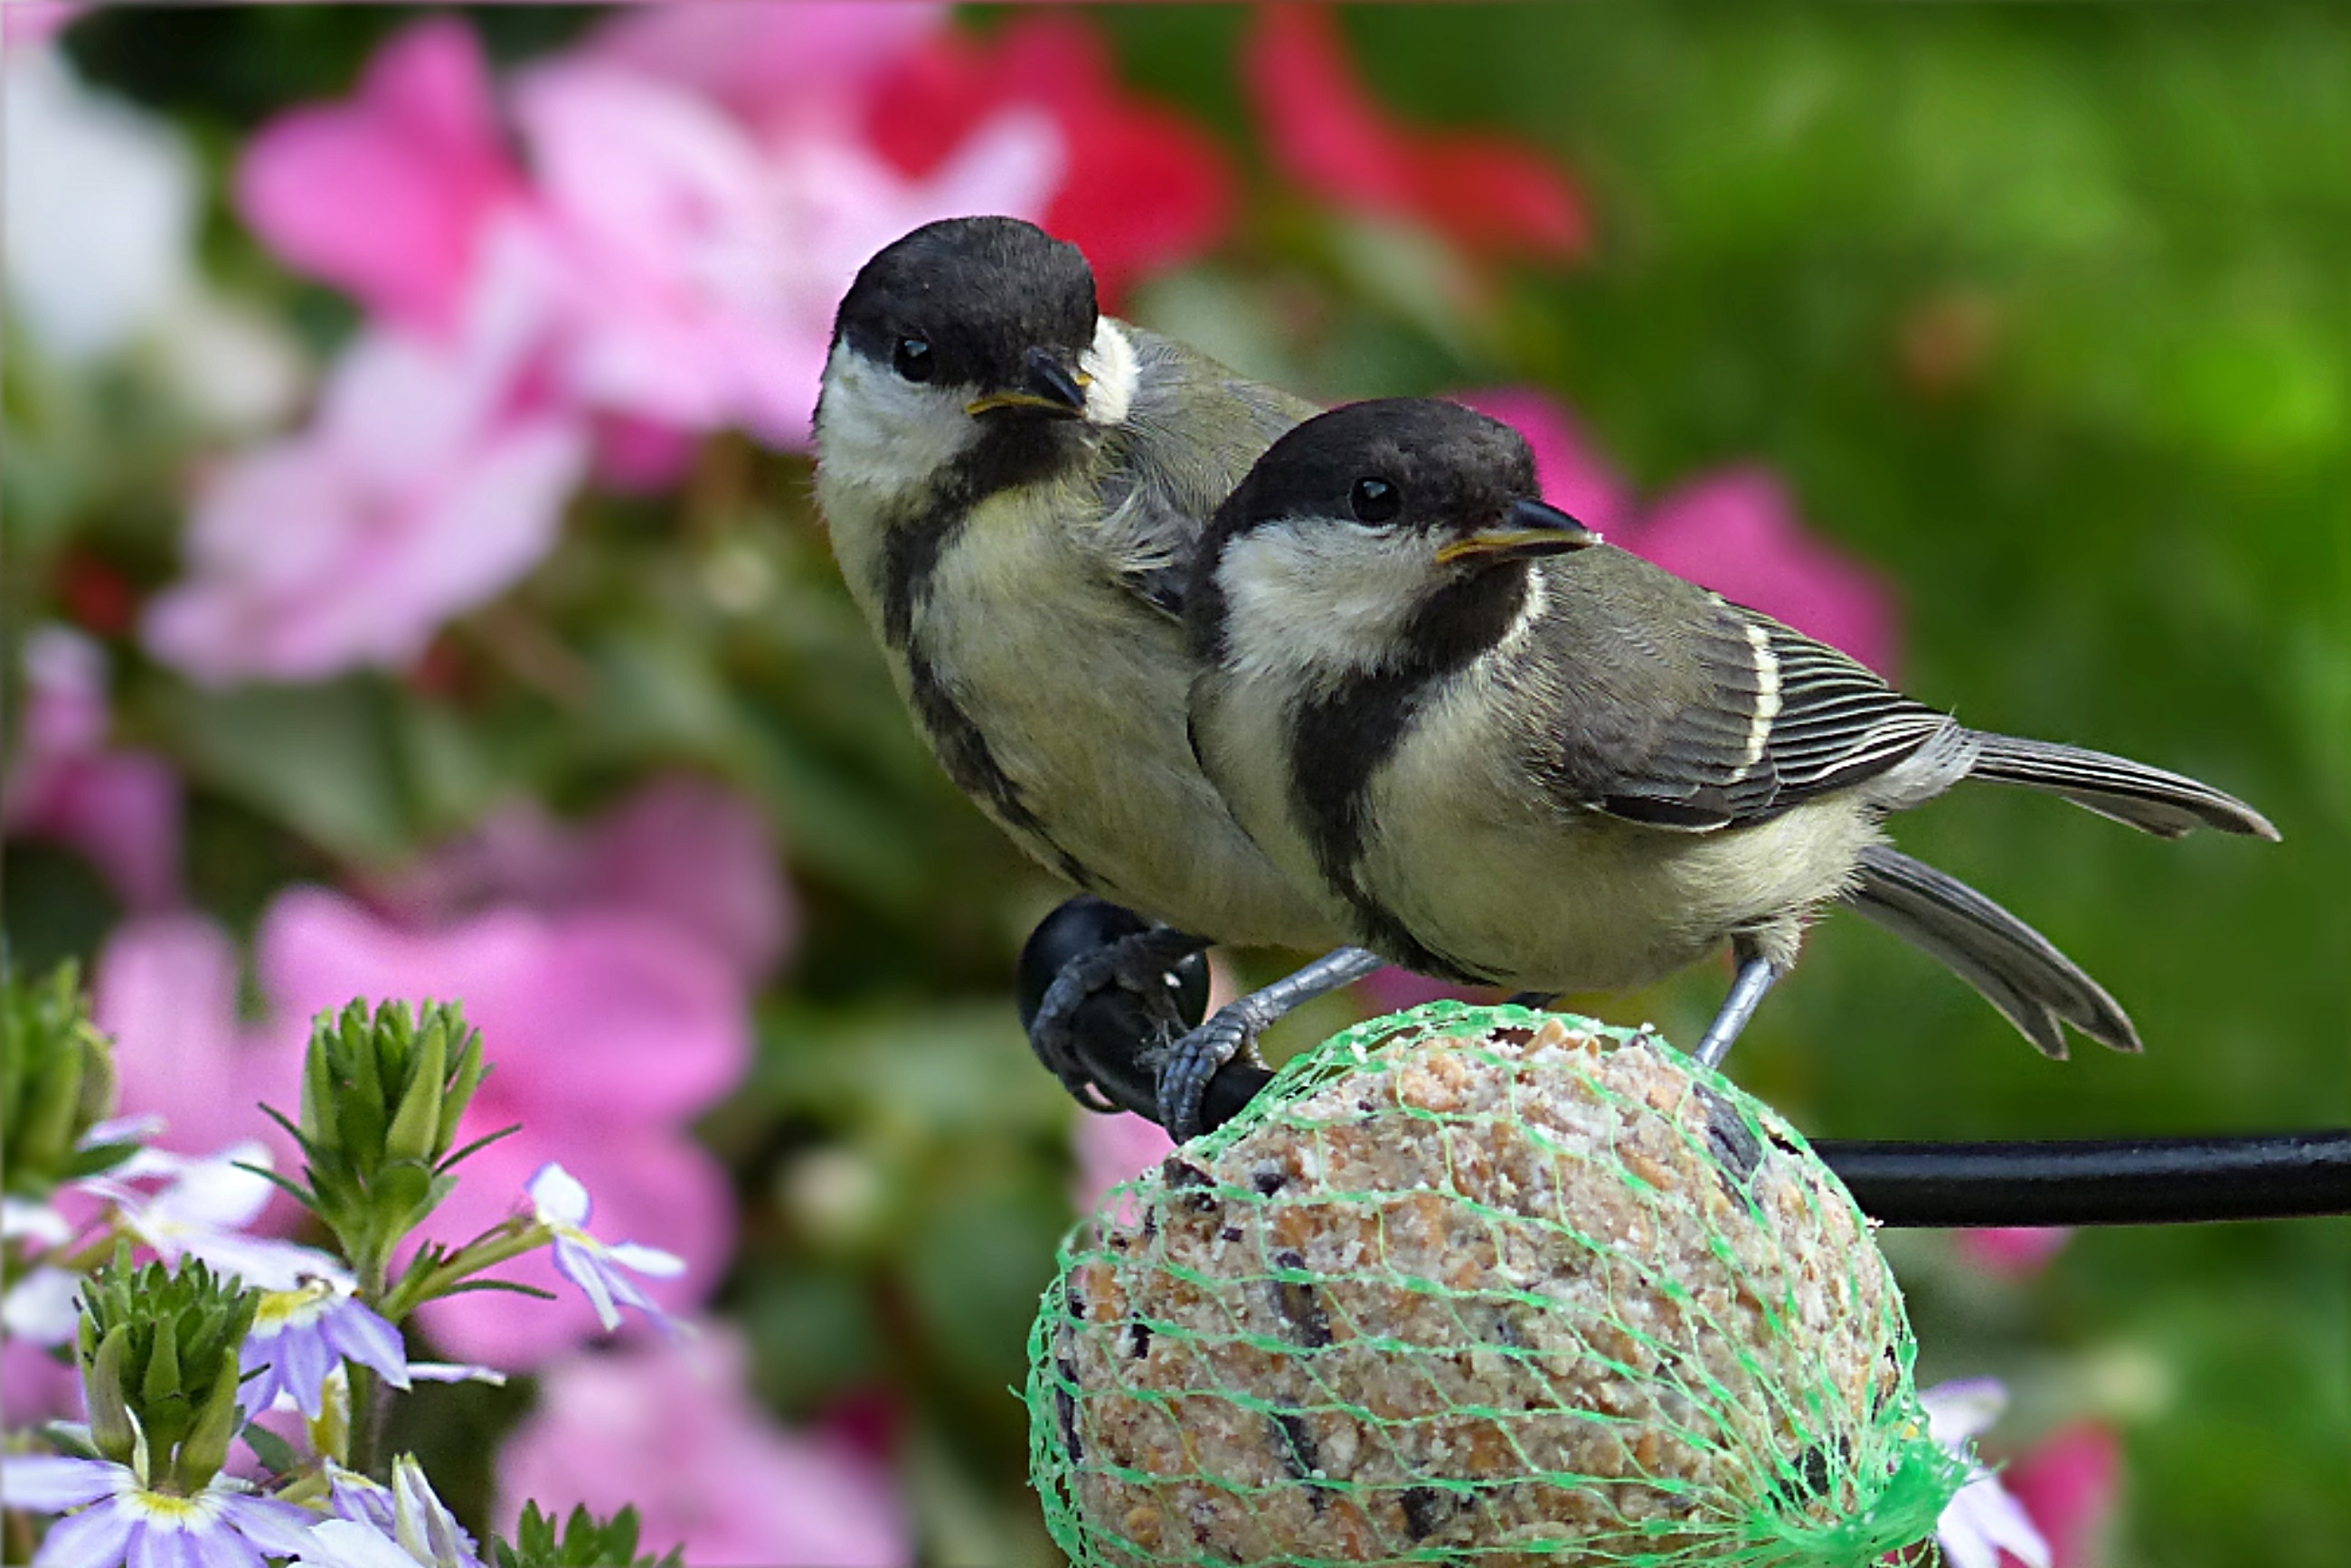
(1510, 753)
(1014, 484)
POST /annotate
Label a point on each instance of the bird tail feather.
(2163, 803)
(2016, 969)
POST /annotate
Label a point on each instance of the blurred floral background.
(412, 590)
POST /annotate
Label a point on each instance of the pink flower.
(1146, 189)
(1114, 1149)
(1489, 195)
(166, 989)
(668, 1429)
(684, 850)
(2069, 1485)
(429, 481)
(776, 67)
(118, 809)
(25, 23)
(387, 196)
(1734, 530)
(41, 1387)
(1737, 532)
(2013, 1252)
(1574, 475)
(706, 258)
(608, 1030)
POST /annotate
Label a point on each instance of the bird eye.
(914, 359)
(1376, 500)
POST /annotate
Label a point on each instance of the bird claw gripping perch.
(1093, 970)
(1232, 1034)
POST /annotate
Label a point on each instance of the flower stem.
(370, 1400)
(511, 1239)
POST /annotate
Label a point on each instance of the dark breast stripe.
(1339, 741)
(912, 548)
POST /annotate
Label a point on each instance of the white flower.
(1982, 1520)
(42, 1307)
(203, 1212)
(563, 1207)
(90, 273)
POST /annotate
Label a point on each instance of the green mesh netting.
(1482, 1285)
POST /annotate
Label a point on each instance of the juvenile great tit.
(1015, 484)
(1511, 754)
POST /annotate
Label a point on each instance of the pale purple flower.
(611, 1030)
(117, 1519)
(403, 1525)
(300, 1336)
(1984, 1520)
(431, 480)
(562, 1205)
(669, 1428)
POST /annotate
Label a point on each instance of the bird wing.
(1192, 431)
(1732, 721)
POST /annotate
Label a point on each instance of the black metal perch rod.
(2097, 1181)
(2087, 1181)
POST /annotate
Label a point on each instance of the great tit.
(1015, 484)
(1511, 754)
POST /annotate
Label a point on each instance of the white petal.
(1959, 1410)
(214, 1192)
(40, 1306)
(558, 1195)
(33, 1222)
(123, 1130)
(48, 1483)
(650, 1260)
(455, 1372)
(343, 1543)
(1985, 1513)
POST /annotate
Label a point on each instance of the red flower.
(1146, 188)
(1490, 195)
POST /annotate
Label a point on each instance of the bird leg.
(1140, 962)
(1757, 974)
(1233, 1031)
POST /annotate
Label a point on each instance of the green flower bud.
(158, 1352)
(381, 1097)
(111, 1431)
(57, 1082)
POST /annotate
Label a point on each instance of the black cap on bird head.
(1411, 464)
(990, 305)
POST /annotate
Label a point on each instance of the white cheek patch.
(1112, 363)
(879, 430)
(1318, 603)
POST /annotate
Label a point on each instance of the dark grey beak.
(1528, 528)
(1049, 388)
